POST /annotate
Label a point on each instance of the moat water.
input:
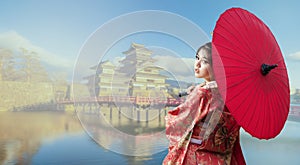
(59, 138)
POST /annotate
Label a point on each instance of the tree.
(31, 69)
(7, 65)
(59, 78)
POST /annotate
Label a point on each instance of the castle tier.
(136, 76)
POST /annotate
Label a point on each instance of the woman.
(201, 130)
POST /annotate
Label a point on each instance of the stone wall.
(17, 94)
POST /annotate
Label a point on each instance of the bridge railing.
(125, 99)
(294, 108)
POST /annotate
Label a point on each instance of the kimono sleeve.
(181, 120)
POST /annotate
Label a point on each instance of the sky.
(60, 30)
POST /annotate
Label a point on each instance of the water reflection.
(23, 132)
(284, 149)
(58, 138)
(120, 133)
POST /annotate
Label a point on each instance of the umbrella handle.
(181, 94)
(265, 68)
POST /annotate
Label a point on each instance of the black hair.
(207, 48)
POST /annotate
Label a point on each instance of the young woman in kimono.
(201, 130)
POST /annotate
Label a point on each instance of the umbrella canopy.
(254, 83)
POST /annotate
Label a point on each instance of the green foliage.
(7, 65)
(22, 66)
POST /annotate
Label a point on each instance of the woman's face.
(202, 67)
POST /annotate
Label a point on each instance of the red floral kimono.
(203, 117)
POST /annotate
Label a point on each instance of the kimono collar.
(211, 84)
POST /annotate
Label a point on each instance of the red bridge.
(295, 111)
(146, 101)
(167, 102)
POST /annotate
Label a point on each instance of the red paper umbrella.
(257, 86)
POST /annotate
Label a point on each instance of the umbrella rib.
(248, 55)
(266, 38)
(278, 62)
(279, 94)
(256, 102)
(242, 122)
(234, 96)
(234, 75)
(279, 70)
(271, 116)
(280, 77)
(237, 83)
(264, 123)
(245, 62)
(232, 66)
(255, 23)
(277, 113)
(271, 53)
(281, 67)
(261, 31)
(281, 102)
(264, 34)
(267, 31)
(255, 93)
(283, 84)
(245, 26)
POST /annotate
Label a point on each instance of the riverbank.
(15, 94)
